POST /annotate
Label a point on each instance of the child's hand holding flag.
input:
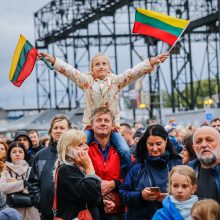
(23, 61)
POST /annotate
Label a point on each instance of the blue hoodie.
(168, 212)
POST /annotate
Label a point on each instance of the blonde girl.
(206, 209)
(182, 185)
(102, 88)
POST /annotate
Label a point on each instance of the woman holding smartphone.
(145, 185)
(78, 188)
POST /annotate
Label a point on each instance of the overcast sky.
(16, 17)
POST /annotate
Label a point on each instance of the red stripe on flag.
(154, 32)
(27, 67)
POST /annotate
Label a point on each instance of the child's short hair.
(183, 170)
(207, 209)
(98, 55)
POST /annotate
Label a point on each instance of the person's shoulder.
(67, 168)
(66, 171)
(43, 152)
(161, 214)
(113, 76)
(164, 213)
(136, 166)
(194, 163)
(175, 159)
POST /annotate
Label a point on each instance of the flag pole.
(171, 47)
(47, 63)
(178, 37)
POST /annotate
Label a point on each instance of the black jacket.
(75, 191)
(195, 164)
(41, 185)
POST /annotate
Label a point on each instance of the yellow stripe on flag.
(180, 23)
(21, 42)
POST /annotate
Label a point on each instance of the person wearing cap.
(24, 138)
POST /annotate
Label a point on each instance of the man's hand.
(107, 186)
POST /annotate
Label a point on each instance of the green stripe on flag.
(27, 47)
(144, 19)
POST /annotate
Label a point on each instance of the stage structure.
(74, 30)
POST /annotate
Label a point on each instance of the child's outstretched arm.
(158, 59)
(65, 69)
(141, 69)
(47, 56)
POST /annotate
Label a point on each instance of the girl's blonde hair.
(207, 209)
(68, 139)
(98, 55)
(185, 170)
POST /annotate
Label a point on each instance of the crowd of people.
(108, 170)
(157, 182)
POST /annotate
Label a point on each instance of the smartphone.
(155, 189)
(70, 153)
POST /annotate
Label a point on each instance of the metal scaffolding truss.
(74, 30)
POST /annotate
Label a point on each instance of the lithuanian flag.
(23, 61)
(158, 25)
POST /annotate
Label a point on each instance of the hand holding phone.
(155, 189)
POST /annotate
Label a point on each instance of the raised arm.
(67, 70)
(140, 70)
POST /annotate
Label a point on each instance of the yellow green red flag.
(23, 61)
(158, 25)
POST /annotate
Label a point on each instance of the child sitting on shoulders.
(101, 89)
(177, 205)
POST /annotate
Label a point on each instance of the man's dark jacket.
(41, 185)
(195, 164)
